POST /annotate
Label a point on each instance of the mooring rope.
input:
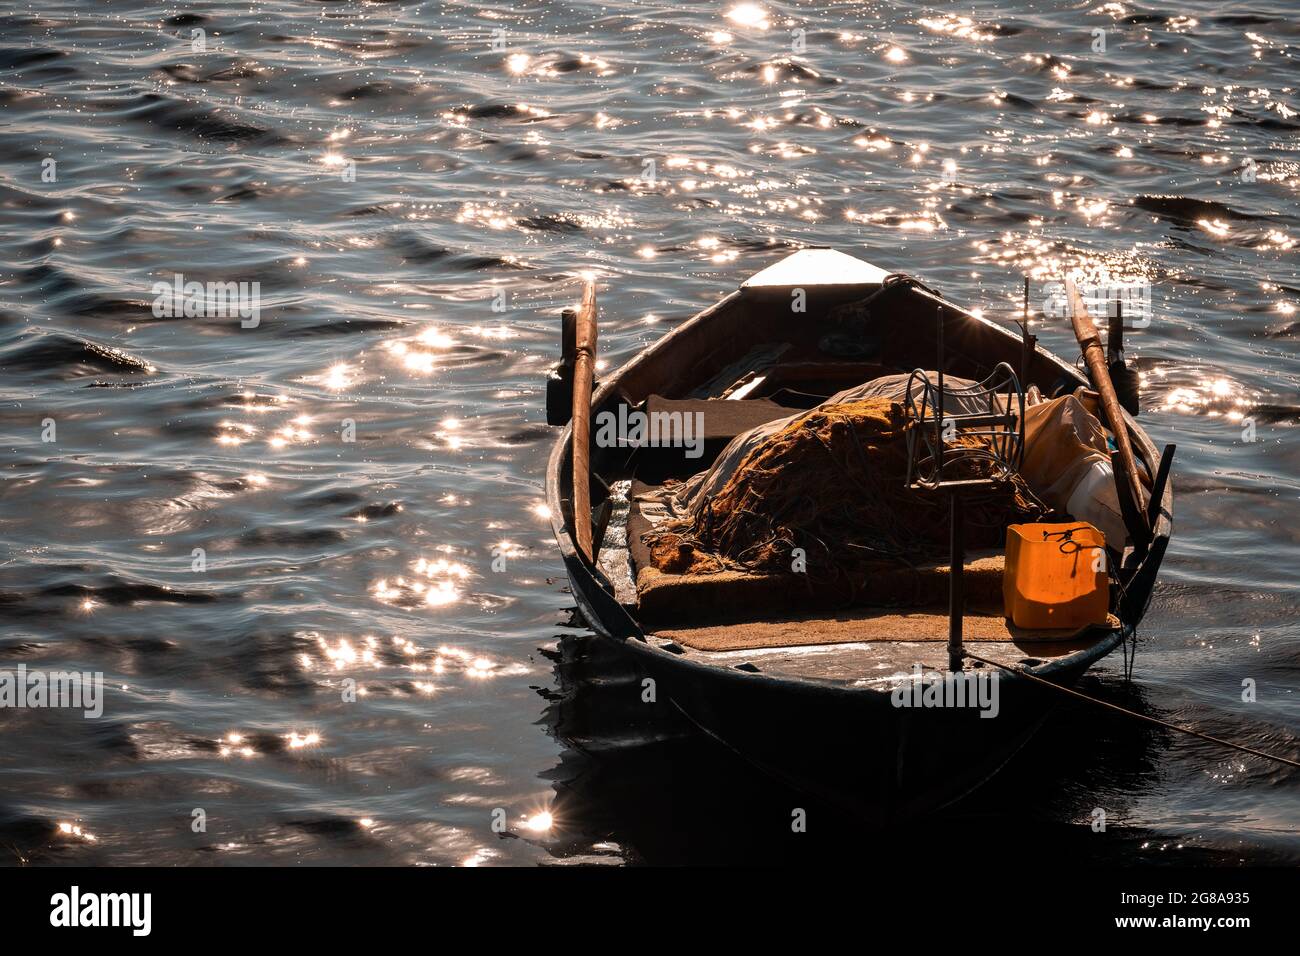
(1130, 713)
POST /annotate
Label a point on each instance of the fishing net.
(831, 482)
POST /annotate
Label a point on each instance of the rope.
(1129, 713)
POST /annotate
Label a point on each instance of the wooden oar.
(1127, 483)
(584, 371)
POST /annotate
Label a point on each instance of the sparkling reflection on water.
(312, 558)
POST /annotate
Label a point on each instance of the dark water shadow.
(641, 782)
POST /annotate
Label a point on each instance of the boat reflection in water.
(637, 783)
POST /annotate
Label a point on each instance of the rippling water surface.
(416, 194)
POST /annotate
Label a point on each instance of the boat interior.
(750, 360)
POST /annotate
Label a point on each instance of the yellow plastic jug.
(1055, 576)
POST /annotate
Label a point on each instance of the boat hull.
(850, 746)
(843, 741)
(856, 748)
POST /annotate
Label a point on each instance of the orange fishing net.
(831, 482)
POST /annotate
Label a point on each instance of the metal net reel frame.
(1001, 431)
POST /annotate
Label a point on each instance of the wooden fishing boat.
(810, 697)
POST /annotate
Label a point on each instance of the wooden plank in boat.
(863, 627)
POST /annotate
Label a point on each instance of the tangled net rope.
(831, 483)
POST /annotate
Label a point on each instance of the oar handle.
(584, 373)
(1127, 482)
